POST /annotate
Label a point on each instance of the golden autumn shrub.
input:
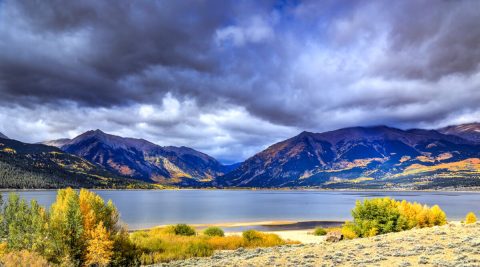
(24, 258)
(254, 238)
(226, 242)
(163, 245)
(79, 229)
(99, 246)
(348, 231)
(385, 215)
(470, 218)
(3, 249)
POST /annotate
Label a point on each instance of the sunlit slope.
(370, 157)
(39, 166)
(143, 160)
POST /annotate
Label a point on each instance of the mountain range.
(356, 157)
(363, 157)
(141, 159)
(39, 166)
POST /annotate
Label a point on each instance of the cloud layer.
(231, 77)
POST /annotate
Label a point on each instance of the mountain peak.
(305, 133)
(141, 159)
(342, 155)
(469, 131)
(96, 132)
(111, 140)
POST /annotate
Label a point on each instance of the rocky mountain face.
(25, 165)
(3, 136)
(373, 157)
(469, 131)
(358, 157)
(141, 159)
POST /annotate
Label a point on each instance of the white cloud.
(228, 133)
(255, 30)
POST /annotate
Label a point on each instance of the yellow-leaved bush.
(385, 215)
(79, 229)
(470, 218)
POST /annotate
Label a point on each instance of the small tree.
(99, 248)
(66, 227)
(470, 218)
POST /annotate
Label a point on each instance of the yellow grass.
(161, 245)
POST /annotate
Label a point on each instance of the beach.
(303, 236)
(288, 230)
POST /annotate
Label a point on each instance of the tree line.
(79, 229)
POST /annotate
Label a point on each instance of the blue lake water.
(146, 208)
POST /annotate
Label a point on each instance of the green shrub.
(319, 231)
(381, 214)
(385, 215)
(214, 231)
(251, 235)
(183, 229)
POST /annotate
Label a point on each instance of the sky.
(230, 78)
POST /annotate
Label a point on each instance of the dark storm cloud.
(81, 50)
(432, 39)
(230, 77)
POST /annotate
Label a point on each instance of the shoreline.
(301, 231)
(264, 226)
(463, 190)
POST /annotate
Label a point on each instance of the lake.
(147, 208)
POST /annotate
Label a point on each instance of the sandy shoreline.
(303, 235)
(264, 226)
(353, 190)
